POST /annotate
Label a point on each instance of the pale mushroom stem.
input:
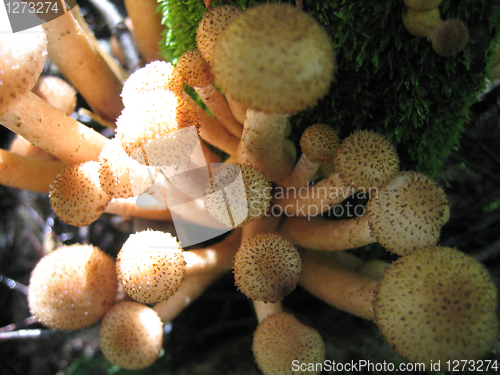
(301, 175)
(45, 126)
(263, 144)
(327, 278)
(75, 55)
(238, 110)
(263, 309)
(328, 235)
(29, 173)
(212, 131)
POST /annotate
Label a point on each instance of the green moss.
(386, 80)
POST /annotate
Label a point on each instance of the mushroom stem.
(24, 172)
(265, 309)
(128, 207)
(326, 278)
(147, 28)
(45, 126)
(263, 144)
(238, 110)
(75, 55)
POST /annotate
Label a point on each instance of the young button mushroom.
(76, 195)
(281, 339)
(448, 37)
(72, 287)
(406, 214)
(267, 267)
(131, 335)
(318, 144)
(246, 66)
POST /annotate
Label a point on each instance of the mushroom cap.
(72, 287)
(267, 267)
(422, 5)
(131, 335)
(319, 142)
(449, 38)
(21, 63)
(150, 266)
(437, 304)
(194, 70)
(155, 76)
(281, 339)
(76, 194)
(164, 113)
(408, 213)
(366, 160)
(274, 58)
(235, 201)
(121, 176)
(213, 23)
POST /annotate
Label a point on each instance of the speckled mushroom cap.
(213, 23)
(319, 143)
(155, 76)
(239, 194)
(274, 58)
(408, 213)
(194, 70)
(366, 160)
(22, 57)
(281, 339)
(120, 175)
(150, 266)
(164, 113)
(76, 194)
(437, 304)
(72, 287)
(267, 267)
(131, 335)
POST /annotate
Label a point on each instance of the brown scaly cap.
(437, 304)
(194, 70)
(150, 266)
(366, 160)
(319, 142)
(281, 339)
(246, 203)
(211, 26)
(22, 57)
(72, 287)
(408, 213)
(274, 58)
(131, 335)
(267, 267)
(76, 194)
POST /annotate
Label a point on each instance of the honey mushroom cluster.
(269, 255)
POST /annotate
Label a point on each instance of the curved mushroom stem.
(44, 126)
(79, 61)
(263, 309)
(263, 144)
(325, 277)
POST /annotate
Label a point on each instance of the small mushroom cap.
(319, 143)
(194, 70)
(408, 213)
(72, 287)
(274, 58)
(131, 335)
(22, 57)
(150, 266)
(155, 76)
(238, 194)
(214, 22)
(76, 194)
(449, 38)
(281, 339)
(120, 175)
(267, 267)
(437, 304)
(366, 160)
